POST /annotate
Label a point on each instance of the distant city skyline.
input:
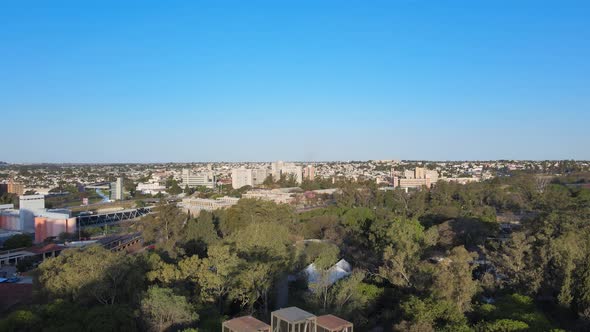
(115, 82)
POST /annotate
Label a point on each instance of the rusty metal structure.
(245, 324)
(331, 323)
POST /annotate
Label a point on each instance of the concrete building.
(192, 179)
(15, 188)
(432, 175)
(408, 174)
(413, 183)
(461, 180)
(52, 223)
(33, 217)
(309, 173)
(117, 189)
(258, 176)
(275, 169)
(276, 195)
(419, 173)
(30, 206)
(10, 220)
(150, 188)
(195, 205)
(32, 202)
(419, 177)
(279, 168)
(242, 177)
(293, 170)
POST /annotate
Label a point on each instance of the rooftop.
(246, 324)
(332, 322)
(293, 314)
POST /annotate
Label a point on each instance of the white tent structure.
(340, 270)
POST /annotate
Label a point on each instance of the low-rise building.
(413, 183)
(461, 180)
(275, 195)
(195, 205)
(150, 188)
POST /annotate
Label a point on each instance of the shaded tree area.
(172, 186)
(8, 198)
(431, 260)
(18, 241)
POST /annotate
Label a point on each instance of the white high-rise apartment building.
(276, 169)
(432, 175)
(117, 189)
(409, 174)
(294, 170)
(281, 168)
(241, 177)
(309, 172)
(258, 176)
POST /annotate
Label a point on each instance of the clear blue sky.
(149, 81)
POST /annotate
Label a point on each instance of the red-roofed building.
(245, 324)
(331, 323)
(48, 250)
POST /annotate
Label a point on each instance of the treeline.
(430, 260)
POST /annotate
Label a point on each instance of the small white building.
(150, 188)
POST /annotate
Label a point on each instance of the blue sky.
(151, 81)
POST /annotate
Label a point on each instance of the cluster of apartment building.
(151, 177)
(254, 177)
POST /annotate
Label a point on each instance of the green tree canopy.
(162, 309)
